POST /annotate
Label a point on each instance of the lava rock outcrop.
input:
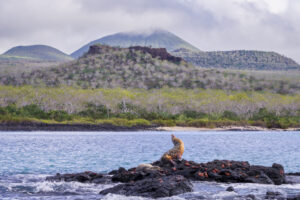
(161, 179)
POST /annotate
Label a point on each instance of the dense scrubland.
(159, 107)
(112, 67)
(238, 59)
(140, 86)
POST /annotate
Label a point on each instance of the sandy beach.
(228, 128)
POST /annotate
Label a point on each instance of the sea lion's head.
(174, 139)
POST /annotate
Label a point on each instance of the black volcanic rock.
(230, 189)
(161, 53)
(85, 177)
(100, 49)
(227, 171)
(125, 176)
(165, 186)
(274, 195)
(161, 179)
(38, 126)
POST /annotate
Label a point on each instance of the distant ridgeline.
(239, 59)
(36, 56)
(31, 57)
(141, 67)
(37, 52)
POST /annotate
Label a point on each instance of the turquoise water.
(27, 157)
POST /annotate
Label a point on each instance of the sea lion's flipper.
(179, 156)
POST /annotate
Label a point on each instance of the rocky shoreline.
(37, 126)
(160, 179)
(31, 126)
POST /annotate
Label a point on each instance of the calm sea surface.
(26, 158)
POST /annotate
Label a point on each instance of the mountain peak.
(146, 32)
(156, 38)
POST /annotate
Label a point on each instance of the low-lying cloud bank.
(270, 25)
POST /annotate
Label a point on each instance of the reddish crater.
(160, 53)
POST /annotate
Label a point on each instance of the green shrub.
(259, 123)
(59, 115)
(127, 115)
(115, 122)
(201, 123)
(3, 111)
(164, 122)
(33, 111)
(156, 115)
(284, 123)
(230, 115)
(95, 112)
(139, 122)
(12, 109)
(194, 114)
(270, 118)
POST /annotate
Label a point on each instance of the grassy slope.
(37, 52)
(166, 107)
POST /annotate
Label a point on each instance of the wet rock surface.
(161, 179)
(165, 186)
(274, 195)
(226, 171)
(85, 177)
(230, 189)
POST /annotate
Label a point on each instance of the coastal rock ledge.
(161, 179)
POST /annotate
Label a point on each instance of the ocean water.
(26, 158)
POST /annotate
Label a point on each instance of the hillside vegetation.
(164, 107)
(110, 67)
(10, 65)
(26, 58)
(239, 59)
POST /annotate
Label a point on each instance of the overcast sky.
(271, 25)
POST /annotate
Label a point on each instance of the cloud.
(270, 25)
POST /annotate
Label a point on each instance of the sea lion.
(143, 167)
(175, 153)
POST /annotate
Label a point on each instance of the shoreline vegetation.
(67, 108)
(33, 126)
